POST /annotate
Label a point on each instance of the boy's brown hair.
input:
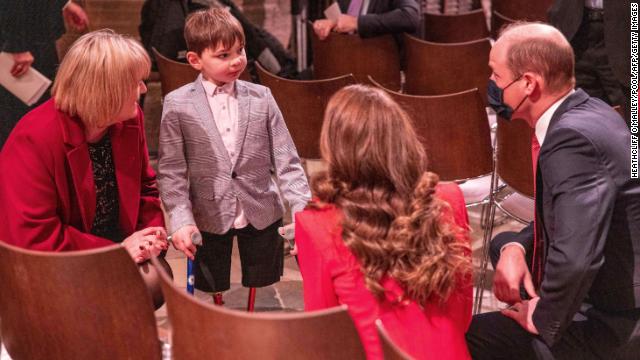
(208, 28)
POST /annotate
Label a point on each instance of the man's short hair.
(98, 75)
(209, 28)
(542, 49)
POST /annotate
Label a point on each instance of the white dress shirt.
(224, 107)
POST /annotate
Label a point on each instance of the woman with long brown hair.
(381, 235)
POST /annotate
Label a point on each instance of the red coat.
(47, 191)
(331, 276)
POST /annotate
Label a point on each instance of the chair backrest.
(498, 21)
(523, 9)
(445, 28)
(390, 350)
(90, 304)
(302, 103)
(437, 69)
(454, 130)
(341, 54)
(199, 328)
(515, 165)
(174, 74)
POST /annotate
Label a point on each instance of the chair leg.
(217, 299)
(252, 299)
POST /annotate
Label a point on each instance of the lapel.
(128, 167)
(201, 104)
(77, 153)
(244, 100)
(128, 170)
(575, 99)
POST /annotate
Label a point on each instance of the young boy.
(221, 141)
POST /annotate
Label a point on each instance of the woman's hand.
(181, 240)
(145, 243)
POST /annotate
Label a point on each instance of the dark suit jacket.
(590, 211)
(47, 190)
(386, 17)
(566, 15)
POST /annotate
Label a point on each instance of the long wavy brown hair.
(377, 177)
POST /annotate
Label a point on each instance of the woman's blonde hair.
(97, 76)
(392, 222)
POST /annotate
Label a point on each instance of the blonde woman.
(74, 174)
(382, 236)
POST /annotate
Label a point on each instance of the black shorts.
(261, 258)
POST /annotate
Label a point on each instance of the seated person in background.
(382, 236)
(74, 173)
(372, 18)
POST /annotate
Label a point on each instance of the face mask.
(496, 99)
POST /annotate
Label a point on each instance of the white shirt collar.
(543, 122)
(212, 89)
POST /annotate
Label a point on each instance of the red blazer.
(331, 276)
(46, 182)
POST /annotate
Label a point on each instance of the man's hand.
(522, 313)
(76, 16)
(347, 24)
(181, 240)
(21, 63)
(512, 271)
(323, 28)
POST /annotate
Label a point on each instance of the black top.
(105, 223)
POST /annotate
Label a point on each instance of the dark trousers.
(593, 71)
(593, 334)
(261, 258)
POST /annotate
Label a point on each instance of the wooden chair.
(302, 103)
(89, 304)
(390, 350)
(498, 21)
(454, 131)
(174, 74)
(443, 28)
(199, 328)
(523, 9)
(341, 54)
(437, 69)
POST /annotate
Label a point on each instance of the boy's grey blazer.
(200, 184)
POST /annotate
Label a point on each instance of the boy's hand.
(181, 240)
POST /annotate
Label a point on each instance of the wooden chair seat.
(499, 21)
(454, 130)
(341, 54)
(200, 328)
(437, 69)
(523, 9)
(302, 103)
(90, 304)
(463, 27)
